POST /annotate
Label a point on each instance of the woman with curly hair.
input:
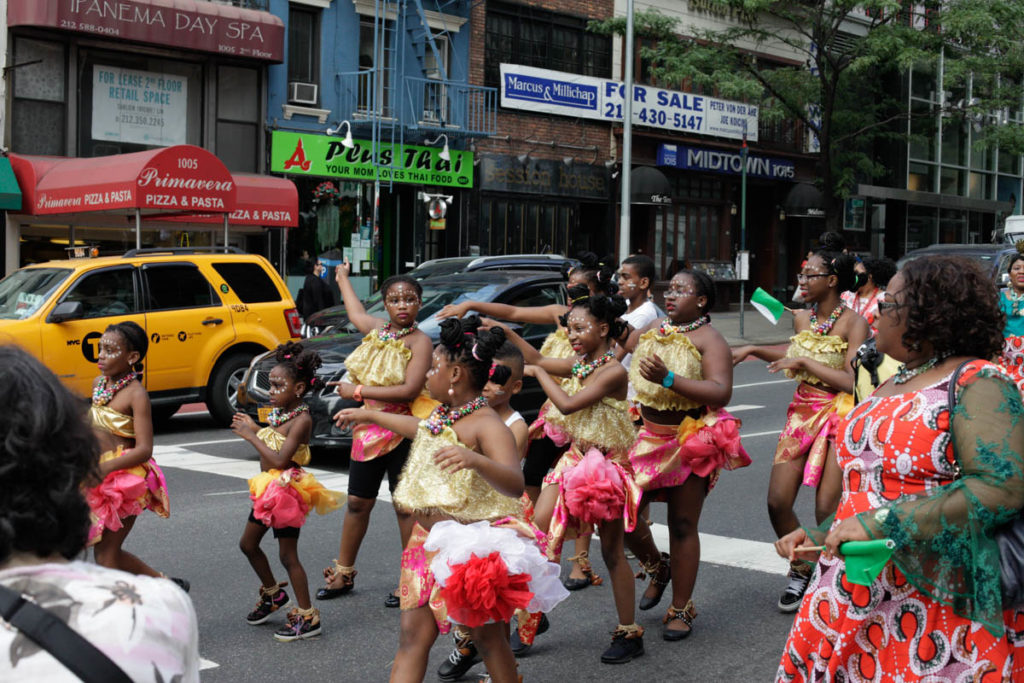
(935, 470)
(145, 625)
(819, 357)
(283, 494)
(465, 562)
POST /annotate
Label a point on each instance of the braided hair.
(598, 272)
(134, 338)
(838, 263)
(299, 364)
(466, 344)
(607, 309)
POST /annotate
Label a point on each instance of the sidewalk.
(756, 328)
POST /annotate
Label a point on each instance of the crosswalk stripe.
(741, 407)
(722, 550)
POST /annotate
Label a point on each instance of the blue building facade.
(374, 98)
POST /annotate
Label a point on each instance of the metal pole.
(225, 233)
(743, 222)
(138, 229)
(627, 138)
(375, 232)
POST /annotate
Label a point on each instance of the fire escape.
(404, 91)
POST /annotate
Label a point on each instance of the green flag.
(767, 305)
(865, 559)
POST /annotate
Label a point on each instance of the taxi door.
(108, 296)
(187, 325)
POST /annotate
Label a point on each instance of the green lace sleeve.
(944, 540)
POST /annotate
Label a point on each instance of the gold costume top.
(827, 349)
(557, 345)
(275, 440)
(680, 356)
(378, 363)
(112, 421)
(605, 425)
(465, 496)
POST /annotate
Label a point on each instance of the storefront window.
(38, 120)
(238, 115)
(921, 226)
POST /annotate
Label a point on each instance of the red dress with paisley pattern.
(889, 631)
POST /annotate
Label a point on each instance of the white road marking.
(761, 384)
(740, 407)
(205, 664)
(236, 439)
(723, 550)
(773, 432)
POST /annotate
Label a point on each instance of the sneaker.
(625, 647)
(519, 648)
(183, 584)
(794, 593)
(463, 658)
(267, 605)
(299, 627)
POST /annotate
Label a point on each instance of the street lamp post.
(627, 138)
(743, 224)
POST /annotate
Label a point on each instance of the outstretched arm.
(538, 315)
(354, 308)
(608, 381)
(403, 425)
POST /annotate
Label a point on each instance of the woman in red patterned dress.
(937, 486)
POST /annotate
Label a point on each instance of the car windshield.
(439, 268)
(435, 297)
(24, 291)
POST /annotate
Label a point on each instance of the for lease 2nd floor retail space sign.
(601, 99)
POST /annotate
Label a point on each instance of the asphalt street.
(738, 635)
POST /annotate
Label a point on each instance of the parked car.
(525, 288)
(993, 258)
(328, 319)
(207, 314)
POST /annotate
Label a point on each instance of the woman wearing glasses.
(934, 479)
(819, 356)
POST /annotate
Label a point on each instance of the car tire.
(222, 392)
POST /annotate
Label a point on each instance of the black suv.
(523, 288)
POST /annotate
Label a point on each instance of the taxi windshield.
(24, 291)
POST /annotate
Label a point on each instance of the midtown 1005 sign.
(322, 155)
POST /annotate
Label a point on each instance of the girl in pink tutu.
(592, 483)
(283, 493)
(131, 481)
(470, 560)
(682, 373)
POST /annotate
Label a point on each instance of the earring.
(451, 389)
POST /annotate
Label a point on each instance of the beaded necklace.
(278, 417)
(903, 375)
(445, 416)
(103, 392)
(385, 333)
(1016, 302)
(825, 327)
(583, 370)
(668, 328)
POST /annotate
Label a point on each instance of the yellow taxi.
(207, 314)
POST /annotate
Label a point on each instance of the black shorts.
(283, 532)
(541, 456)
(364, 478)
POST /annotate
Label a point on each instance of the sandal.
(589, 576)
(685, 615)
(660, 573)
(347, 575)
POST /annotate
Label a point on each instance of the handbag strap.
(952, 389)
(66, 645)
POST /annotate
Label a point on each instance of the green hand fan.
(865, 559)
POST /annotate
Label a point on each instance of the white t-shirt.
(147, 626)
(642, 316)
(513, 418)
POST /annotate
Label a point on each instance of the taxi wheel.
(222, 393)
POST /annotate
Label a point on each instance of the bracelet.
(668, 380)
(358, 393)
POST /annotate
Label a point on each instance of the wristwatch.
(668, 380)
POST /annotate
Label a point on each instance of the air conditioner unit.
(302, 93)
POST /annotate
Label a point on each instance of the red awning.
(184, 24)
(179, 179)
(261, 200)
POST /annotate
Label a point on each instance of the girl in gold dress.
(819, 356)
(463, 469)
